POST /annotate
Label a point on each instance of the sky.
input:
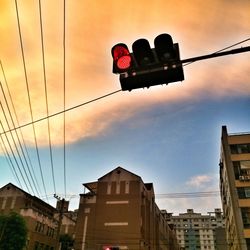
(168, 134)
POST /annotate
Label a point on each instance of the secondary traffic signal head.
(121, 58)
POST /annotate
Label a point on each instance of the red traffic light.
(122, 58)
(147, 66)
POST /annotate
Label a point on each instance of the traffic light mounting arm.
(217, 54)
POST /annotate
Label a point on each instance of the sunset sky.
(169, 135)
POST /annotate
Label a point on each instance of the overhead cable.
(7, 156)
(17, 121)
(28, 94)
(61, 112)
(13, 154)
(64, 95)
(19, 142)
(46, 97)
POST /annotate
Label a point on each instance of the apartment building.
(197, 231)
(235, 187)
(119, 211)
(39, 216)
(42, 219)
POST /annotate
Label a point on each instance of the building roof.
(29, 196)
(92, 186)
(119, 169)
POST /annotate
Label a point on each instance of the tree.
(66, 242)
(13, 232)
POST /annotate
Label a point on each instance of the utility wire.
(12, 152)
(64, 110)
(61, 112)
(16, 117)
(29, 99)
(19, 142)
(7, 155)
(188, 195)
(64, 95)
(46, 97)
(16, 147)
(164, 195)
(101, 97)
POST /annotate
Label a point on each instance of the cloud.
(203, 183)
(199, 181)
(199, 204)
(199, 28)
(200, 194)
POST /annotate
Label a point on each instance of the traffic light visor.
(121, 56)
(164, 47)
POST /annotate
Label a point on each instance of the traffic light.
(148, 66)
(121, 58)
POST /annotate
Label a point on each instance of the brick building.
(39, 216)
(119, 210)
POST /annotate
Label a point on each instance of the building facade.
(235, 188)
(42, 219)
(119, 210)
(197, 231)
(39, 216)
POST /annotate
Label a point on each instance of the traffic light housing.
(121, 58)
(149, 66)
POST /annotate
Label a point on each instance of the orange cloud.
(91, 30)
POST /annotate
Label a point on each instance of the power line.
(61, 112)
(7, 156)
(16, 148)
(46, 96)
(104, 96)
(165, 195)
(12, 152)
(28, 93)
(16, 117)
(64, 95)
(188, 195)
(19, 142)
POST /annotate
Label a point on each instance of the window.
(245, 212)
(37, 226)
(240, 148)
(36, 247)
(242, 170)
(243, 192)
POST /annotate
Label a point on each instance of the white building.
(197, 231)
